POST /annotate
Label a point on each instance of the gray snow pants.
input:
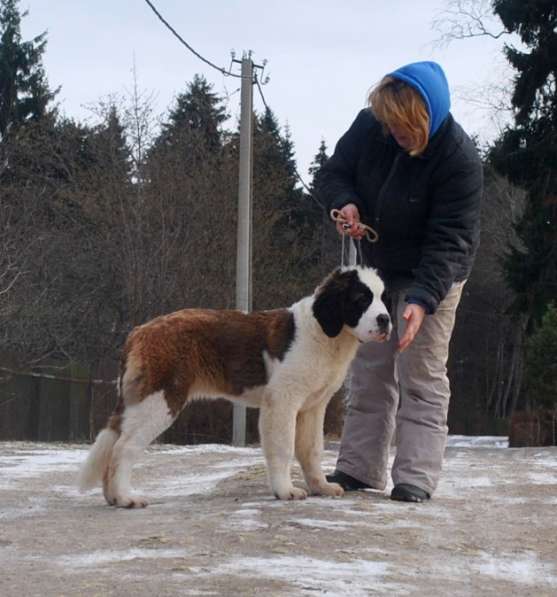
(406, 394)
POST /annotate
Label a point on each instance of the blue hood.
(429, 80)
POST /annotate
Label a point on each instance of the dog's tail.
(92, 470)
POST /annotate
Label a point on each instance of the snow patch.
(323, 524)
(246, 519)
(329, 503)
(470, 482)
(204, 449)
(358, 578)
(27, 465)
(542, 478)
(524, 569)
(101, 558)
(477, 441)
(32, 507)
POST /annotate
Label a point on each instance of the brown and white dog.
(287, 362)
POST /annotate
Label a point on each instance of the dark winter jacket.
(425, 209)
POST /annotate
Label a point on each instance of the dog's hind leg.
(309, 450)
(141, 423)
(92, 470)
(277, 426)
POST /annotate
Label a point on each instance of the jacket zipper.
(377, 211)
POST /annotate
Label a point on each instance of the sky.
(322, 57)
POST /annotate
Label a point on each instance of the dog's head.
(353, 297)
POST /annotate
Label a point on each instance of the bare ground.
(213, 529)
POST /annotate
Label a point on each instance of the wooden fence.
(69, 406)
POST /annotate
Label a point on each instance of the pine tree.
(275, 153)
(273, 149)
(286, 225)
(199, 111)
(289, 156)
(328, 238)
(527, 153)
(24, 91)
(274, 157)
(318, 162)
(111, 149)
(541, 362)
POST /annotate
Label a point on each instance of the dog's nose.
(383, 321)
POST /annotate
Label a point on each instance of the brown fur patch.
(115, 420)
(195, 350)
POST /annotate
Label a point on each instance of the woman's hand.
(352, 226)
(414, 316)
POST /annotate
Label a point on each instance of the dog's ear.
(328, 306)
(327, 309)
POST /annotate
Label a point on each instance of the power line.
(308, 190)
(185, 43)
(261, 92)
(228, 98)
(227, 73)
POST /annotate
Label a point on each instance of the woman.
(406, 168)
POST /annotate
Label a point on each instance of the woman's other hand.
(414, 316)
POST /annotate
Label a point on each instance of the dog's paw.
(292, 493)
(130, 502)
(330, 489)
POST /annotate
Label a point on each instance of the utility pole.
(244, 248)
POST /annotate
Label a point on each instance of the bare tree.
(10, 268)
(140, 122)
(486, 357)
(465, 19)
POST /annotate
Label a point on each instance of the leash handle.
(370, 234)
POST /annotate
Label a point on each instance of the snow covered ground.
(213, 529)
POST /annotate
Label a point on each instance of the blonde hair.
(394, 102)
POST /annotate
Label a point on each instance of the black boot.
(347, 482)
(404, 492)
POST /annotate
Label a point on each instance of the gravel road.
(213, 529)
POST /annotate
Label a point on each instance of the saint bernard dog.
(287, 362)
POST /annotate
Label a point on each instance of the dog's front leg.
(309, 450)
(277, 425)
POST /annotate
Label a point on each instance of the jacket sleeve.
(452, 233)
(336, 181)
